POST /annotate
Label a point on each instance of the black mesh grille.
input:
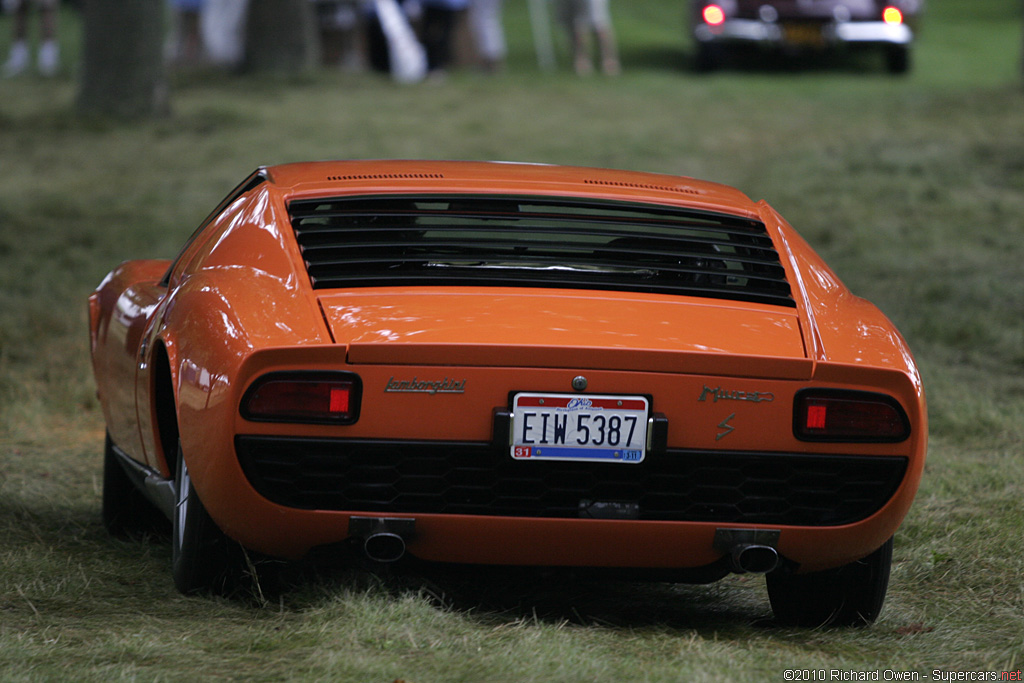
(476, 479)
(537, 242)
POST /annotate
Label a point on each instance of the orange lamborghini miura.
(510, 364)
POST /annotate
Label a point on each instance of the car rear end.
(804, 25)
(536, 379)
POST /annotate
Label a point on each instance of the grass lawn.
(912, 188)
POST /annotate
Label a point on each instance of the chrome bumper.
(873, 32)
(755, 31)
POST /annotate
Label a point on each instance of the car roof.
(336, 178)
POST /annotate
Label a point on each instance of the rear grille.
(536, 242)
(476, 479)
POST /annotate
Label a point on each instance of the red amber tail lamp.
(714, 15)
(311, 398)
(860, 416)
(892, 15)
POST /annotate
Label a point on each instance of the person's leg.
(601, 20)
(18, 58)
(49, 48)
(488, 32)
(609, 51)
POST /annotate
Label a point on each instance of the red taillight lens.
(714, 15)
(891, 15)
(340, 399)
(824, 415)
(303, 397)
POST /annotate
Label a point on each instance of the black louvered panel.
(476, 479)
(530, 242)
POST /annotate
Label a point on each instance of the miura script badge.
(424, 386)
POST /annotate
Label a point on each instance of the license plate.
(580, 428)
(804, 34)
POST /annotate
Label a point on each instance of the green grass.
(912, 188)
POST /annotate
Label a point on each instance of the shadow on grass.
(550, 596)
(564, 596)
(655, 58)
(751, 59)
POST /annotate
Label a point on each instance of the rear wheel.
(126, 511)
(851, 595)
(200, 552)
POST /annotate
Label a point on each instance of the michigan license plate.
(578, 427)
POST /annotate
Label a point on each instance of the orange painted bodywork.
(237, 303)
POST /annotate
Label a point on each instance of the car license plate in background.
(804, 34)
(579, 427)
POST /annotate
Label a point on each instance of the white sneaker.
(17, 60)
(49, 58)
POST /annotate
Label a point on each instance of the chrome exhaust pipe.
(750, 551)
(384, 547)
(384, 538)
(754, 559)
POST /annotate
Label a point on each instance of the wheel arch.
(165, 407)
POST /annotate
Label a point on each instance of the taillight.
(891, 15)
(835, 415)
(310, 397)
(714, 15)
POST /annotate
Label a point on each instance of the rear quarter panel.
(239, 291)
(119, 313)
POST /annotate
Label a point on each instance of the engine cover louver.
(474, 240)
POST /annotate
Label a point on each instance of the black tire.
(851, 595)
(708, 58)
(200, 553)
(897, 59)
(126, 512)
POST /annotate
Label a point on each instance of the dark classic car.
(804, 25)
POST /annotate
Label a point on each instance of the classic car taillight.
(892, 15)
(836, 415)
(713, 14)
(328, 398)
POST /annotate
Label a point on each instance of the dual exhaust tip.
(745, 558)
(750, 551)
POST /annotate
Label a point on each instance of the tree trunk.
(280, 37)
(122, 59)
